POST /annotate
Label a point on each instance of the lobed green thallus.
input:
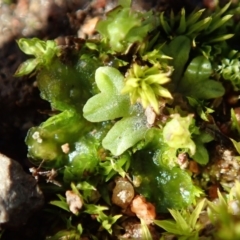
(131, 103)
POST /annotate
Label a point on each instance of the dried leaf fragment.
(74, 201)
(65, 148)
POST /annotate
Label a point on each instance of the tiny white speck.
(36, 136)
(122, 195)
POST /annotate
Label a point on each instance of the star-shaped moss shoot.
(43, 52)
(143, 84)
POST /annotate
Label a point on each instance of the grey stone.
(20, 195)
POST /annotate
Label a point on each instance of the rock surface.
(20, 195)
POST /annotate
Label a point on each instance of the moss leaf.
(179, 49)
(196, 82)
